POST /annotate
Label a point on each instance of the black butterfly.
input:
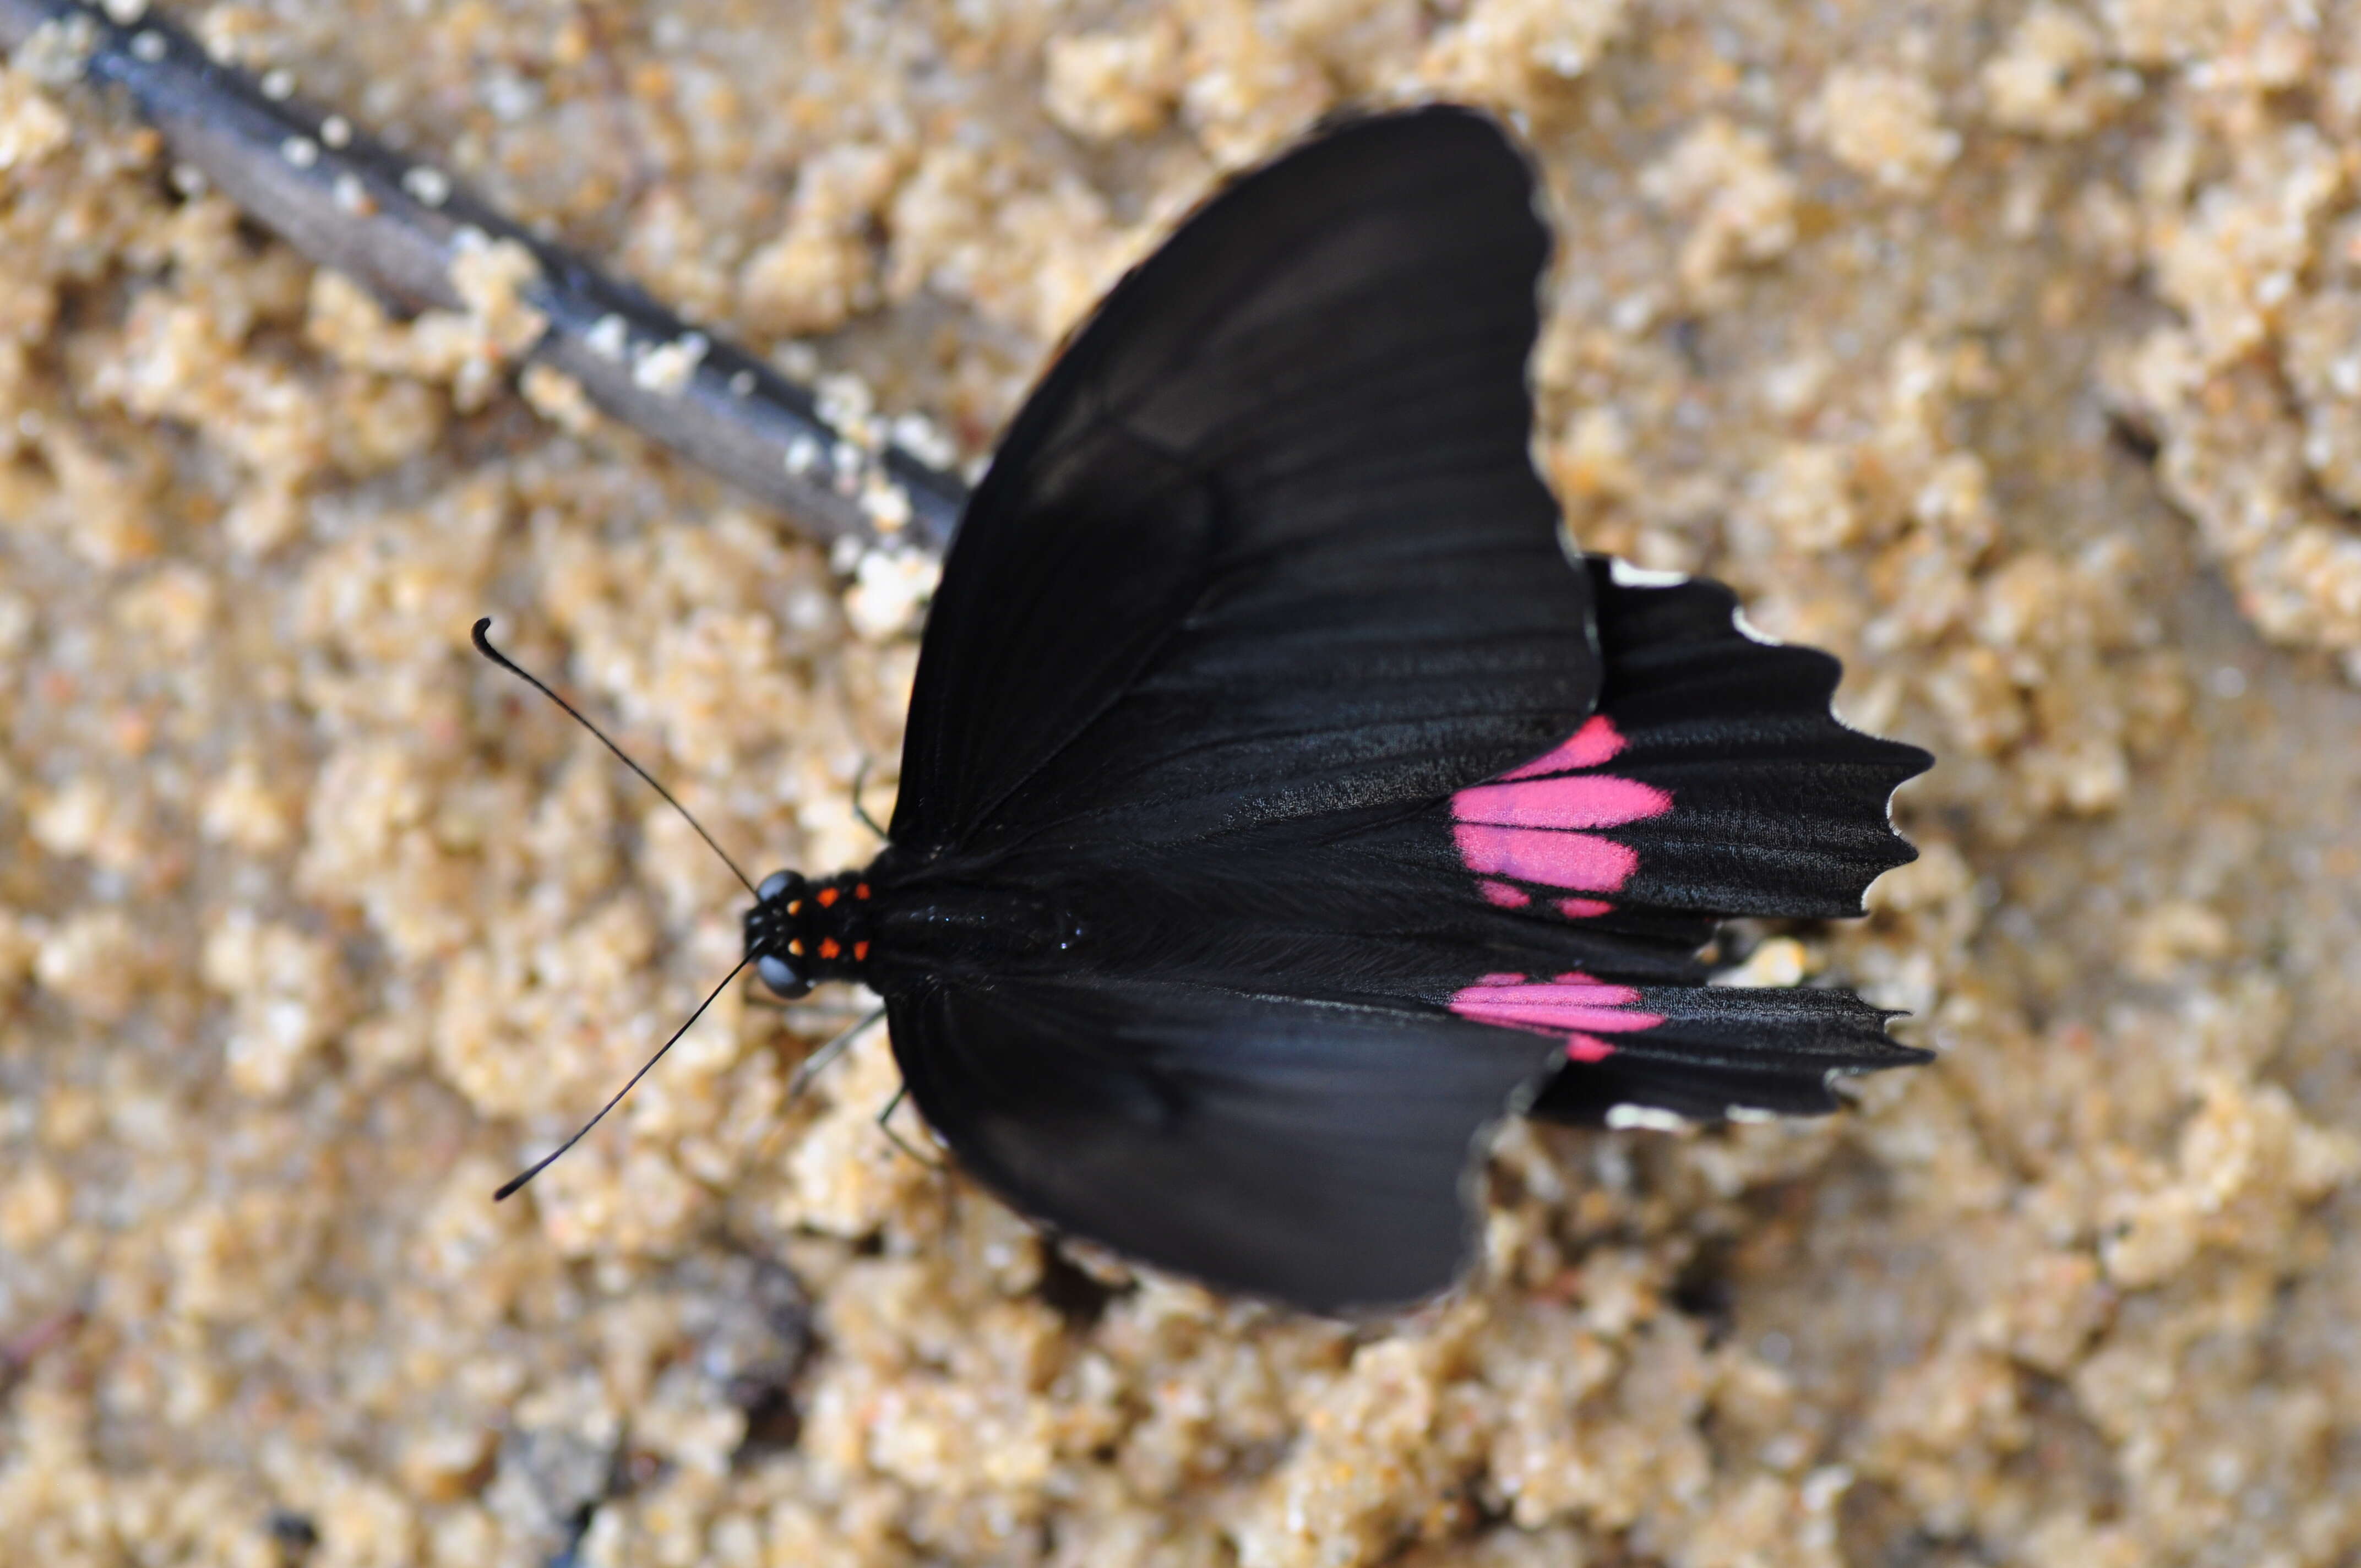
(1281, 804)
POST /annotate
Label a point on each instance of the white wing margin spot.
(1624, 575)
(1645, 1117)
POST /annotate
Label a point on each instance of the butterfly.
(1284, 803)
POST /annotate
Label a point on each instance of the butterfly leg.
(860, 777)
(812, 1066)
(885, 1125)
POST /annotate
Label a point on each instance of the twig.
(395, 225)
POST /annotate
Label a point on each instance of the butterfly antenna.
(484, 646)
(860, 777)
(815, 1063)
(550, 1159)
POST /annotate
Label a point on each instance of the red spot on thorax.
(860, 890)
(829, 947)
(827, 896)
(861, 952)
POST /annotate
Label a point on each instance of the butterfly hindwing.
(1713, 782)
(1702, 1052)
(1778, 807)
(1568, 894)
(1268, 540)
(1316, 1154)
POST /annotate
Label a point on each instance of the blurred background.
(2012, 352)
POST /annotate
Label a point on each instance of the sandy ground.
(2012, 352)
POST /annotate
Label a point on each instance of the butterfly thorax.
(801, 932)
(935, 927)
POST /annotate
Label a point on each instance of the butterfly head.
(800, 932)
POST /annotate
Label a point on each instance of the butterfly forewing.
(1268, 540)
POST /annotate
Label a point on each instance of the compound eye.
(780, 976)
(773, 885)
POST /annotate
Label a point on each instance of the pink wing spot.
(1596, 743)
(1502, 979)
(1527, 828)
(1502, 894)
(1580, 862)
(1551, 1015)
(1579, 800)
(1573, 1005)
(1586, 1048)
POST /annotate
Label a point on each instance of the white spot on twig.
(430, 187)
(916, 434)
(848, 405)
(667, 368)
(608, 338)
